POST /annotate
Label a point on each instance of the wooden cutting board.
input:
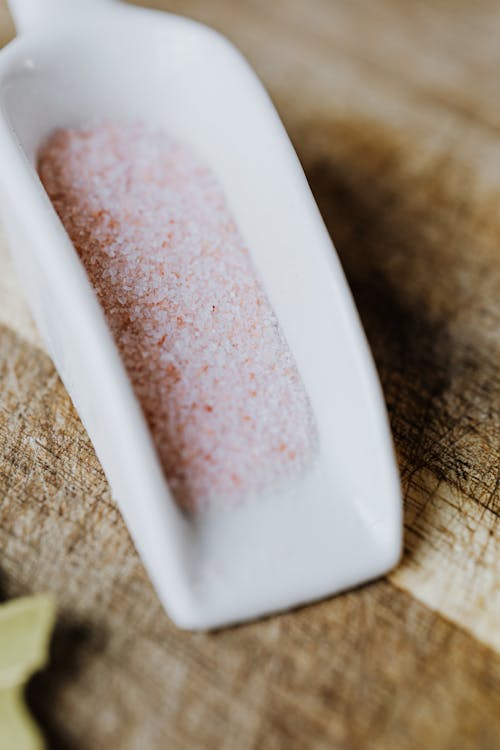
(393, 107)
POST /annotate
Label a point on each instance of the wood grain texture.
(393, 109)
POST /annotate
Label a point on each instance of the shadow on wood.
(45, 690)
(390, 219)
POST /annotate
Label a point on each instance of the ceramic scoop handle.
(30, 14)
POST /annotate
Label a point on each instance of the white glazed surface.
(341, 524)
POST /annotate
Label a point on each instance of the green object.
(25, 628)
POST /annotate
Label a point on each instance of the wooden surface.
(393, 107)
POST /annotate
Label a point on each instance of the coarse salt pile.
(217, 382)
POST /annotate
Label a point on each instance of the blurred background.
(393, 108)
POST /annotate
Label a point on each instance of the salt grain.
(202, 346)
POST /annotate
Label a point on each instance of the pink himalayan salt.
(207, 359)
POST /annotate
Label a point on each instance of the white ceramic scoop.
(339, 525)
